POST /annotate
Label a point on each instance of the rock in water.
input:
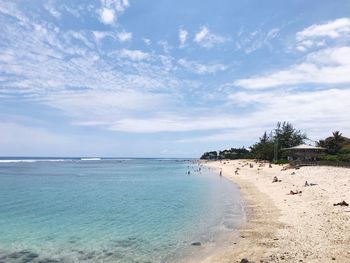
(196, 244)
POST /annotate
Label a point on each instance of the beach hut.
(304, 153)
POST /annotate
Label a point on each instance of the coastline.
(226, 230)
(280, 227)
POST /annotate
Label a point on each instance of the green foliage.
(209, 156)
(283, 136)
(280, 162)
(287, 136)
(264, 148)
(235, 153)
(336, 144)
(344, 151)
(344, 157)
(335, 157)
(328, 157)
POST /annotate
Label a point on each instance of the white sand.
(290, 228)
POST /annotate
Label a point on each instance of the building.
(304, 153)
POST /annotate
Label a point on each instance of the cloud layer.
(192, 83)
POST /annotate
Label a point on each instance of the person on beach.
(220, 171)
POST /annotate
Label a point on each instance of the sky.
(163, 78)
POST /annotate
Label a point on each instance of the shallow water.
(96, 210)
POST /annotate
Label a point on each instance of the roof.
(305, 147)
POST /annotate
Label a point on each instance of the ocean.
(112, 210)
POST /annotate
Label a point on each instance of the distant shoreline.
(280, 227)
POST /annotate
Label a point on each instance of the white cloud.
(273, 33)
(328, 66)
(201, 34)
(249, 42)
(86, 85)
(9, 8)
(118, 5)
(303, 109)
(318, 111)
(99, 35)
(182, 37)
(136, 55)
(315, 112)
(110, 9)
(332, 29)
(124, 36)
(301, 48)
(165, 45)
(147, 41)
(103, 107)
(201, 68)
(49, 6)
(207, 39)
(135, 91)
(107, 15)
(171, 123)
(316, 35)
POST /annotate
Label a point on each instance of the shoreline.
(280, 227)
(221, 239)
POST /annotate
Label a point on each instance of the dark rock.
(25, 256)
(333, 258)
(125, 243)
(14, 255)
(196, 244)
(244, 260)
(49, 260)
(29, 257)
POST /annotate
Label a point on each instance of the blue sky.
(168, 78)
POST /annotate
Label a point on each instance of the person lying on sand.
(308, 184)
(342, 203)
(295, 192)
(276, 180)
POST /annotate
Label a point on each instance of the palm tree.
(337, 137)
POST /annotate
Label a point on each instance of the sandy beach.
(284, 227)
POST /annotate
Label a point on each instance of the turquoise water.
(131, 210)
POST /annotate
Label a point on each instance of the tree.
(210, 155)
(235, 153)
(264, 148)
(333, 144)
(287, 136)
(283, 136)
